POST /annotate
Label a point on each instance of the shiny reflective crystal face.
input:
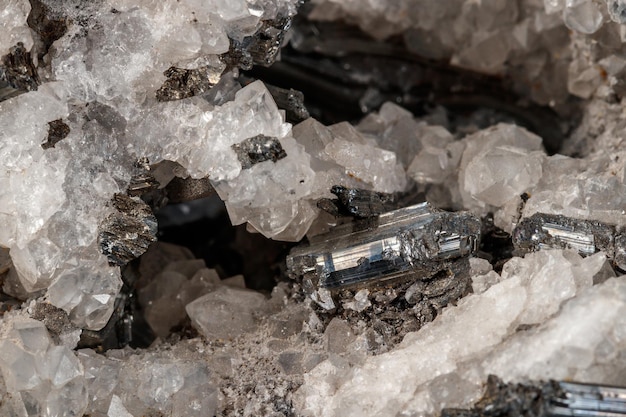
(547, 231)
(410, 240)
(590, 400)
(582, 242)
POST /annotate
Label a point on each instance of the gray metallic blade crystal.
(588, 400)
(414, 239)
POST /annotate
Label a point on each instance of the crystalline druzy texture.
(414, 239)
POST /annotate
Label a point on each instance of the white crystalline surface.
(447, 361)
(589, 189)
(176, 383)
(13, 14)
(539, 318)
(44, 379)
(499, 164)
(102, 83)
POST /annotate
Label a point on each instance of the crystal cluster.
(101, 84)
(412, 240)
(526, 322)
(103, 103)
(43, 378)
(543, 231)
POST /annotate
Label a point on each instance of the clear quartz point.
(415, 239)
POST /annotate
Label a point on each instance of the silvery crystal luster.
(550, 398)
(548, 231)
(588, 400)
(415, 239)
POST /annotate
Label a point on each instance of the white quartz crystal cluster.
(42, 378)
(530, 39)
(13, 21)
(504, 170)
(102, 80)
(541, 317)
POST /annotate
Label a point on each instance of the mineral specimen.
(502, 399)
(291, 101)
(361, 203)
(262, 48)
(545, 399)
(415, 240)
(57, 132)
(182, 83)
(17, 72)
(121, 101)
(513, 330)
(550, 231)
(126, 234)
(258, 149)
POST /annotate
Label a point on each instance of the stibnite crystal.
(551, 398)
(412, 240)
(548, 231)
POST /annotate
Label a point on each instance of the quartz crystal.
(399, 243)
(479, 337)
(177, 383)
(511, 152)
(108, 103)
(617, 10)
(226, 312)
(13, 21)
(583, 16)
(43, 379)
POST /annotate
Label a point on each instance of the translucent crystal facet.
(397, 243)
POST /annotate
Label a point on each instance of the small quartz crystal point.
(545, 399)
(550, 231)
(258, 149)
(413, 241)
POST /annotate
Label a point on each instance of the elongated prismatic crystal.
(415, 239)
(588, 400)
(546, 399)
(549, 231)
